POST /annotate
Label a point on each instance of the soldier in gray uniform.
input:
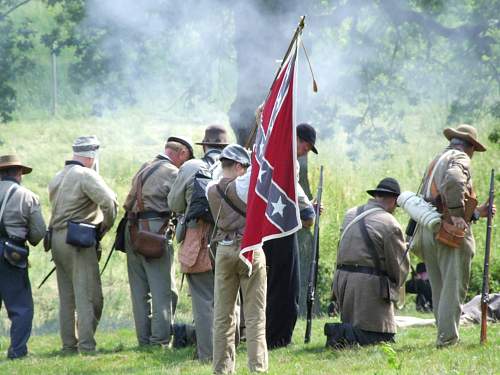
(371, 267)
(21, 220)
(79, 195)
(193, 254)
(152, 281)
(448, 185)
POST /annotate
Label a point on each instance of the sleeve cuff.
(307, 213)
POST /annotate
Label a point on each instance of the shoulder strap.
(10, 192)
(370, 244)
(360, 214)
(432, 171)
(228, 201)
(141, 179)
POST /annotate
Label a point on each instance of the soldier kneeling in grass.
(371, 267)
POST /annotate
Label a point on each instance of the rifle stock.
(485, 289)
(313, 273)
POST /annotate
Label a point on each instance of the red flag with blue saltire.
(272, 207)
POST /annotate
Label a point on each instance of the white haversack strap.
(4, 203)
(358, 218)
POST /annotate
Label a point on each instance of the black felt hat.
(215, 135)
(308, 134)
(388, 185)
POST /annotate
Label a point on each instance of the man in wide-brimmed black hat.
(448, 254)
(187, 199)
(371, 267)
(21, 220)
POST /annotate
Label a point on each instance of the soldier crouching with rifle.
(371, 267)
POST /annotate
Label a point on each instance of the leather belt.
(15, 241)
(152, 215)
(361, 269)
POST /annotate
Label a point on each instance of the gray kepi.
(236, 153)
(87, 146)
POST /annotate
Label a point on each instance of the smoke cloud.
(182, 58)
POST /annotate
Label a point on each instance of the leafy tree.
(16, 40)
(386, 57)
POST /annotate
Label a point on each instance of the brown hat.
(9, 161)
(215, 135)
(467, 133)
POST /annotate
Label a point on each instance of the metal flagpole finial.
(302, 22)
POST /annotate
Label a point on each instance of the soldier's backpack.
(199, 208)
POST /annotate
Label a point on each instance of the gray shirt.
(22, 217)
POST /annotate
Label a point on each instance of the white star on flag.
(278, 207)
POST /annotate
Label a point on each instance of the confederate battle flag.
(272, 207)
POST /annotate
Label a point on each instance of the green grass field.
(132, 138)
(413, 353)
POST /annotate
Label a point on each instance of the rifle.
(485, 290)
(47, 277)
(107, 259)
(313, 273)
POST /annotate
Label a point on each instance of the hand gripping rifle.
(485, 290)
(313, 273)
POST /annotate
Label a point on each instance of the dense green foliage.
(374, 61)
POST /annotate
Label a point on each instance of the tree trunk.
(263, 30)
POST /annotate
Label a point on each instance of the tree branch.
(398, 16)
(5, 14)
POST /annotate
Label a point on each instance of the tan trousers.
(231, 274)
(80, 291)
(153, 291)
(449, 272)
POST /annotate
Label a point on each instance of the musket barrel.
(313, 273)
(485, 288)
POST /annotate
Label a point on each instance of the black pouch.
(410, 228)
(388, 291)
(81, 234)
(47, 240)
(120, 234)
(16, 255)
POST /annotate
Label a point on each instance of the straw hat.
(467, 133)
(9, 161)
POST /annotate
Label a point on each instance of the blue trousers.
(15, 293)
